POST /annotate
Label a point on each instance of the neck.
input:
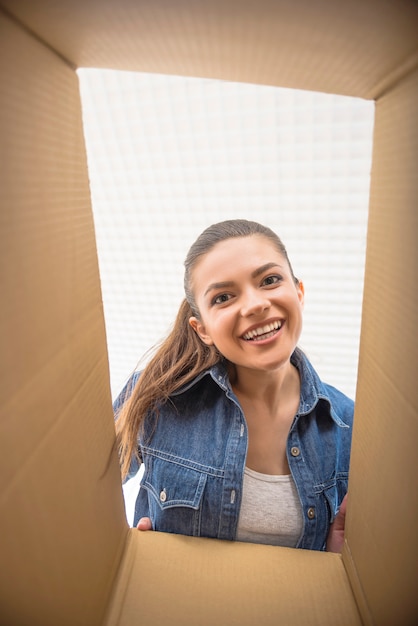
(274, 388)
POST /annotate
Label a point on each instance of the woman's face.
(250, 307)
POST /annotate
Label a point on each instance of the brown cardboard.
(184, 580)
(381, 535)
(59, 488)
(352, 48)
(67, 555)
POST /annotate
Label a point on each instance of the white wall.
(170, 155)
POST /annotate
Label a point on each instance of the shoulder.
(340, 403)
(337, 396)
(126, 392)
(314, 390)
(213, 378)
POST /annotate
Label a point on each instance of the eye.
(222, 298)
(274, 279)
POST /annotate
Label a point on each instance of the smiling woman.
(229, 398)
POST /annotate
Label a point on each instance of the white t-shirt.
(270, 510)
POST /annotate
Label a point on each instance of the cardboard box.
(67, 555)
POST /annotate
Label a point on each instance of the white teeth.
(262, 330)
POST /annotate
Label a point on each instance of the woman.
(239, 437)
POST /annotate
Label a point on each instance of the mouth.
(263, 332)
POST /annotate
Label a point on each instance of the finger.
(339, 522)
(144, 524)
(343, 506)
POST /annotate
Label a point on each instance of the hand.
(144, 524)
(335, 539)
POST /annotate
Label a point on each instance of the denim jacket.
(194, 456)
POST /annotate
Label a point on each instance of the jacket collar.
(312, 388)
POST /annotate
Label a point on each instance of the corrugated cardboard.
(67, 555)
(350, 48)
(60, 489)
(382, 540)
(205, 582)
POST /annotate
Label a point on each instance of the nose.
(254, 302)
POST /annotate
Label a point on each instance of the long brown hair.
(182, 355)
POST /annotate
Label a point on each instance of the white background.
(169, 155)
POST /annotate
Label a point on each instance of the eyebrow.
(230, 283)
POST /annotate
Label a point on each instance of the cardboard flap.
(336, 47)
(186, 581)
(62, 522)
(381, 524)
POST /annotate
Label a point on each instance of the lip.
(260, 325)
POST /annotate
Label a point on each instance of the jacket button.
(311, 512)
(294, 451)
(163, 496)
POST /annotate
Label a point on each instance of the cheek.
(220, 326)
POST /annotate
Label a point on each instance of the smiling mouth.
(263, 332)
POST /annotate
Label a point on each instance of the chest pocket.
(175, 493)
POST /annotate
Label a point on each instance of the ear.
(200, 331)
(301, 293)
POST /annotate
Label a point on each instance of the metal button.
(163, 496)
(311, 512)
(294, 451)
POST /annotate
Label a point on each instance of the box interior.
(68, 553)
